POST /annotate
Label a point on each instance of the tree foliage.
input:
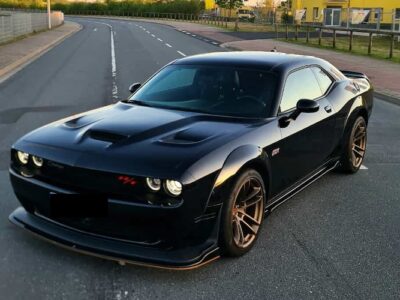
(229, 4)
(112, 6)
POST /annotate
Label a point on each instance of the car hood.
(132, 139)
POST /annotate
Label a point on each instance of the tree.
(229, 4)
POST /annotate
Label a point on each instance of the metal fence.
(16, 23)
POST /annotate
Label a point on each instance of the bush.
(129, 7)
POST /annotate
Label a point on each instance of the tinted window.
(300, 84)
(323, 79)
(177, 78)
(220, 90)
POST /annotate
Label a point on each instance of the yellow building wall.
(387, 5)
(209, 4)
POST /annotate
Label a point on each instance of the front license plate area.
(78, 205)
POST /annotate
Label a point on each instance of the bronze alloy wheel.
(247, 212)
(354, 146)
(359, 143)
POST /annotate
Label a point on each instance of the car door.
(308, 141)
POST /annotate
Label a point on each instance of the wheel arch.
(244, 157)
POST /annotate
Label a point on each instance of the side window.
(323, 79)
(178, 78)
(300, 84)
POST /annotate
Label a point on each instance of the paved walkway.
(16, 54)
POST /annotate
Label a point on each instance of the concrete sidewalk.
(15, 55)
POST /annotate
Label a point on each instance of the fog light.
(37, 161)
(173, 187)
(23, 157)
(153, 183)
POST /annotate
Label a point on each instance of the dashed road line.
(168, 45)
(159, 39)
(181, 53)
(363, 167)
(153, 35)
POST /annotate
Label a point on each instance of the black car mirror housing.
(134, 87)
(302, 106)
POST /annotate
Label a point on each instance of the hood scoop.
(106, 136)
(187, 137)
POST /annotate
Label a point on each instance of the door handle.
(328, 108)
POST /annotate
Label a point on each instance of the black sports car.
(186, 168)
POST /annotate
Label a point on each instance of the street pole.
(48, 14)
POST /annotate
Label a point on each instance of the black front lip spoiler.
(122, 252)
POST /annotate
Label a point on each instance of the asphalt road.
(339, 238)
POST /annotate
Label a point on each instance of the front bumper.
(167, 238)
(187, 258)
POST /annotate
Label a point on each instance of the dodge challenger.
(186, 169)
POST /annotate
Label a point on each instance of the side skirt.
(281, 198)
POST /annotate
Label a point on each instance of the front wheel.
(243, 214)
(355, 147)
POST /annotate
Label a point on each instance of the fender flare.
(241, 156)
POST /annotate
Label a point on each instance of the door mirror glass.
(134, 87)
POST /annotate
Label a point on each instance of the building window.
(378, 13)
(316, 13)
(397, 13)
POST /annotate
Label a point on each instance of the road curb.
(19, 64)
(387, 98)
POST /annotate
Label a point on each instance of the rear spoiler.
(352, 74)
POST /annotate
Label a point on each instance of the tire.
(241, 222)
(355, 145)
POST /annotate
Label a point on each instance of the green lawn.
(380, 45)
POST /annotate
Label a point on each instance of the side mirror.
(134, 87)
(307, 106)
(302, 106)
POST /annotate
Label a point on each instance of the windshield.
(218, 90)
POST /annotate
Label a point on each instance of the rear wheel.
(243, 214)
(355, 147)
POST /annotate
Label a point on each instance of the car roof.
(273, 61)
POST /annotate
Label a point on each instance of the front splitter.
(119, 251)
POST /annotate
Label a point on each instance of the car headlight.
(173, 187)
(153, 183)
(23, 157)
(38, 162)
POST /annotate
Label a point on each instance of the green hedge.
(112, 7)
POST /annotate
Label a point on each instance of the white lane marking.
(147, 31)
(181, 53)
(113, 69)
(113, 61)
(168, 45)
(143, 28)
(193, 35)
(363, 167)
(215, 43)
(95, 29)
(159, 39)
(205, 40)
(153, 35)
